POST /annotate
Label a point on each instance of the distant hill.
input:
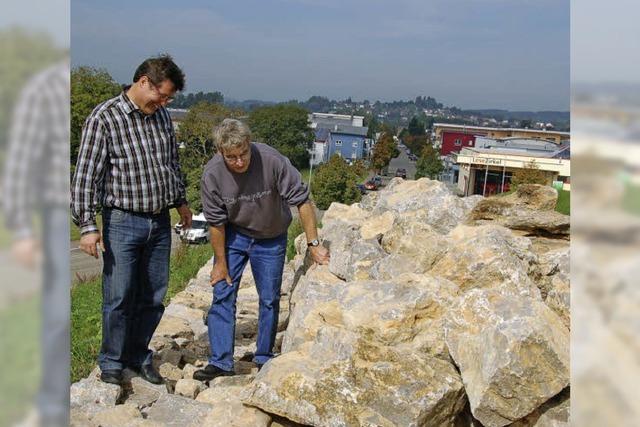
(536, 116)
(248, 104)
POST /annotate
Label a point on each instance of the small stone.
(189, 388)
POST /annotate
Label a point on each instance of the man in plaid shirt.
(128, 164)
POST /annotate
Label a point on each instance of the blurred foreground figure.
(35, 207)
(605, 259)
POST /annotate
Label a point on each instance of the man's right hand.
(219, 272)
(89, 243)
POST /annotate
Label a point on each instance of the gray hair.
(231, 133)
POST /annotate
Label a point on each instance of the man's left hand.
(320, 254)
(185, 216)
(26, 252)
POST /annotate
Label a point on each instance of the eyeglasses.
(163, 97)
(234, 159)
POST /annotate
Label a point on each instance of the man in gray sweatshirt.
(247, 190)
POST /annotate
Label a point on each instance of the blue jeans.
(134, 282)
(267, 258)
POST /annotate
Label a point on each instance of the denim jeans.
(134, 282)
(267, 258)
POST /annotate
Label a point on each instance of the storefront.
(484, 172)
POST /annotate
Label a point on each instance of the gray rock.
(92, 395)
(178, 411)
(513, 353)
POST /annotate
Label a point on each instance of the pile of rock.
(427, 315)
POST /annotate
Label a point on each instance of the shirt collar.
(127, 104)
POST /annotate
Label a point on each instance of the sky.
(510, 54)
(50, 17)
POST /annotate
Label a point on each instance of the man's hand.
(219, 272)
(26, 251)
(320, 254)
(185, 216)
(89, 243)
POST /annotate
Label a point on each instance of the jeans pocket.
(115, 216)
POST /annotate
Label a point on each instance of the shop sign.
(487, 161)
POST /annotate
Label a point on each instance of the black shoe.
(112, 376)
(259, 366)
(211, 372)
(149, 373)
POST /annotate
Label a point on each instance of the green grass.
(631, 199)
(563, 205)
(86, 306)
(295, 229)
(20, 355)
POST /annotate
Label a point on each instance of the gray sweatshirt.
(256, 202)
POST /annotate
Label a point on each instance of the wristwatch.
(314, 242)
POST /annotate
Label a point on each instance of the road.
(84, 266)
(402, 161)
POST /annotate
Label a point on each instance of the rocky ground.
(434, 311)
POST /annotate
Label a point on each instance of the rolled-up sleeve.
(290, 184)
(213, 207)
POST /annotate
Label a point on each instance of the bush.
(295, 229)
(530, 174)
(335, 181)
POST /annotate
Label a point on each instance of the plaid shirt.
(36, 173)
(127, 160)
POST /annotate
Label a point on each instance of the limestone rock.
(174, 327)
(93, 395)
(488, 256)
(189, 388)
(170, 372)
(416, 240)
(530, 208)
(440, 208)
(118, 416)
(553, 413)
(513, 354)
(377, 225)
(232, 413)
(177, 411)
(344, 379)
(188, 370)
(143, 394)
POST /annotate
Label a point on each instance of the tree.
(188, 100)
(384, 150)
(530, 174)
(195, 136)
(89, 87)
(286, 128)
(335, 181)
(416, 127)
(429, 164)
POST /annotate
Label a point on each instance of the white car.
(199, 231)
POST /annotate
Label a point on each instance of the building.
(349, 142)
(488, 168)
(452, 138)
(177, 116)
(338, 134)
(329, 120)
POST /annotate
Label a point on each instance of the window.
(338, 143)
(457, 142)
(355, 144)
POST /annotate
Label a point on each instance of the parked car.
(178, 227)
(377, 180)
(199, 231)
(361, 189)
(413, 157)
(402, 173)
(370, 185)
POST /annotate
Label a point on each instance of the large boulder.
(379, 343)
(488, 256)
(438, 207)
(513, 353)
(530, 209)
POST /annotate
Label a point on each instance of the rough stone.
(93, 395)
(174, 327)
(177, 411)
(513, 354)
(189, 388)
